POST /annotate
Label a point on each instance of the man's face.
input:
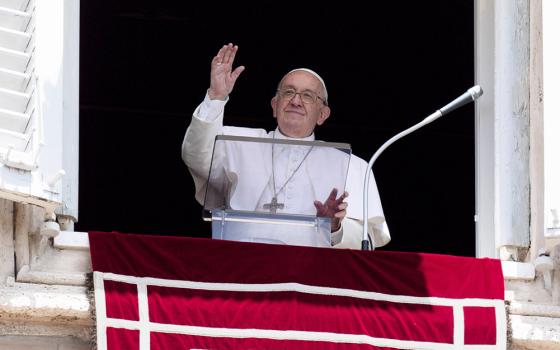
(295, 117)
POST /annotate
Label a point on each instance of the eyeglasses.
(307, 97)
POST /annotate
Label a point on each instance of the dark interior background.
(144, 67)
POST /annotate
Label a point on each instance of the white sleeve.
(352, 225)
(210, 110)
(206, 123)
(351, 237)
(336, 236)
(352, 233)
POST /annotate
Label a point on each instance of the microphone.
(471, 95)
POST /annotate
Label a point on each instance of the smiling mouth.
(291, 111)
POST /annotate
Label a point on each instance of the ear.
(325, 113)
(274, 104)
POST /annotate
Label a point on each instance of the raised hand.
(222, 77)
(334, 208)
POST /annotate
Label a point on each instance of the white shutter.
(38, 100)
(19, 127)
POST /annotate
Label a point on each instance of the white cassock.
(248, 173)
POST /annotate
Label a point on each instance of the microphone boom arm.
(471, 95)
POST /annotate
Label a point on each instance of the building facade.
(44, 265)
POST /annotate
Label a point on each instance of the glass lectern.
(268, 190)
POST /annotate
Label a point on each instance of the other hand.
(334, 208)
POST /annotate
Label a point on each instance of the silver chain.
(295, 171)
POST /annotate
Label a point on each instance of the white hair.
(315, 75)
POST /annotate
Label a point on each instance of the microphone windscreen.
(476, 92)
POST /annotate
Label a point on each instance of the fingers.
(235, 74)
(229, 54)
(340, 214)
(336, 211)
(223, 53)
(226, 55)
(320, 208)
(222, 76)
(332, 196)
(219, 58)
(342, 198)
(323, 209)
(223, 61)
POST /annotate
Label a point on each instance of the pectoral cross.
(273, 205)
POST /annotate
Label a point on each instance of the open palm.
(222, 75)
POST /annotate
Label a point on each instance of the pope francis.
(299, 105)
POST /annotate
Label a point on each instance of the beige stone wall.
(44, 301)
(42, 343)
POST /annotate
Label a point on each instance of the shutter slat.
(15, 139)
(13, 100)
(14, 60)
(13, 19)
(13, 121)
(19, 5)
(12, 80)
(14, 39)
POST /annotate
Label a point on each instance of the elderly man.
(299, 105)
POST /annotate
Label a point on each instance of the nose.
(296, 100)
